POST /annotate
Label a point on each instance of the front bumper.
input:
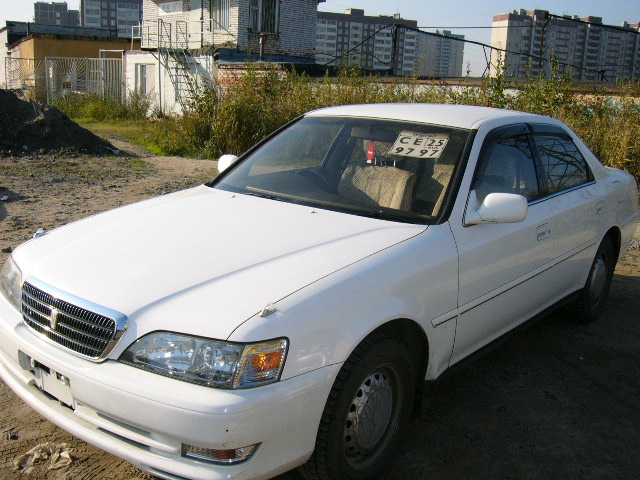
(145, 418)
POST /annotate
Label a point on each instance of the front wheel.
(369, 404)
(591, 299)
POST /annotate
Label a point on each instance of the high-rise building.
(55, 13)
(584, 48)
(114, 15)
(367, 41)
(440, 54)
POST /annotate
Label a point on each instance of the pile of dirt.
(28, 128)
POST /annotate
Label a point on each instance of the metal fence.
(55, 77)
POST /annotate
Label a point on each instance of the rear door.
(578, 204)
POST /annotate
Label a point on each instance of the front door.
(503, 267)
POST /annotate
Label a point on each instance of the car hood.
(202, 260)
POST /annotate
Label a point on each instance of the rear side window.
(563, 165)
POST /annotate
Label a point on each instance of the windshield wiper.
(264, 195)
(381, 214)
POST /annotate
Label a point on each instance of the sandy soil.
(555, 401)
(46, 192)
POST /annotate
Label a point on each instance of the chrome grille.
(79, 330)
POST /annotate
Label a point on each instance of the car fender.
(325, 321)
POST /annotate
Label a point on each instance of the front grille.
(77, 329)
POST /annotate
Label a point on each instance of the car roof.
(460, 116)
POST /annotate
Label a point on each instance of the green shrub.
(96, 108)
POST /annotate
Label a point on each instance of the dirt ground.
(555, 401)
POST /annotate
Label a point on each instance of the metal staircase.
(181, 67)
(177, 58)
(176, 45)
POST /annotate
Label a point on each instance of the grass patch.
(143, 133)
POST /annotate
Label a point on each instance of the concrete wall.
(162, 93)
(297, 30)
(295, 37)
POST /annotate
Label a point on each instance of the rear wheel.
(592, 297)
(369, 404)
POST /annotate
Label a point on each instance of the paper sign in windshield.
(420, 145)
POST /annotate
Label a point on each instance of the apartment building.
(186, 44)
(55, 13)
(589, 49)
(367, 41)
(114, 15)
(440, 54)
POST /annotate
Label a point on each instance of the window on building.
(221, 14)
(144, 78)
(263, 16)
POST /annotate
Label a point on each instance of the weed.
(232, 118)
(97, 108)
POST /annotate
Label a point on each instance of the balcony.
(180, 35)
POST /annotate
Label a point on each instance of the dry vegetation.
(231, 120)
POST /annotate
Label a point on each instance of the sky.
(449, 14)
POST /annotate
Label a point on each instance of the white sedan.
(290, 312)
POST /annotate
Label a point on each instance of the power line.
(484, 27)
(539, 58)
(601, 25)
(598, 69)
(348, 52)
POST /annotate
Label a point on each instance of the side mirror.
(226, 161)
(496, 208)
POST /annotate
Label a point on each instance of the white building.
(367, 41)
(115, 15)
(184, 42)
(440, 54)
(589, 49)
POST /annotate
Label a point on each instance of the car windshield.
(381, 168)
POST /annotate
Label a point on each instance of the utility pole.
(394, 47)
(546, 18)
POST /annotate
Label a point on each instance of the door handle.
(599, 207)
(544, 231)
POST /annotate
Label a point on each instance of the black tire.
(591, 299)
(375, 383)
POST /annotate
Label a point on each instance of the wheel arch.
(409, 333)
(615, 235)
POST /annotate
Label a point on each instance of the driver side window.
(507, 165)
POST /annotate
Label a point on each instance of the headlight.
(208, 362)
(11, 282)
